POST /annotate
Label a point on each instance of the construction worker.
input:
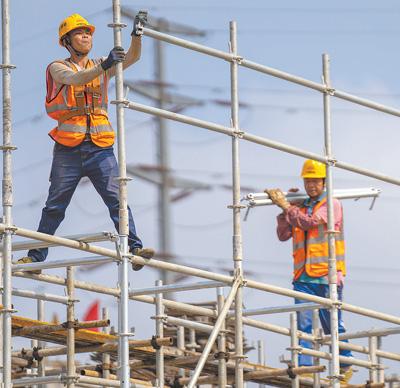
(306, 224)
(77, 99)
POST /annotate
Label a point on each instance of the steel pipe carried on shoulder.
(262, 199)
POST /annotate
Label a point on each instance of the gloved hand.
(139, 22)
(117, 54)
(278, 198)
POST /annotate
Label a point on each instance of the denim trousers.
(69, 165)
(304, 318)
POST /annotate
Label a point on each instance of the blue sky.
(360, 36)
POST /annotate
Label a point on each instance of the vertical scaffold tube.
(261, 356)
(381, 370)
(106, 358)
(123, 350)
(180, 343)
(41, 344)
(159, 334)
(71, 330)
(237, 233)
(373, 372)
(294, 345)
(7, 194)
(316, 331)
(222, 377)
(333, 293)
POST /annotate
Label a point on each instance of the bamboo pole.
(45, 329)
(93, 373)
(109, 347)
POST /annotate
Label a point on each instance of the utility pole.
(164, 208)
(164, 197)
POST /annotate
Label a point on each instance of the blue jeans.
(70, 164)
(304, 318)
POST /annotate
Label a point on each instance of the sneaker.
(146, 253)
(346, 374)
(28, 260)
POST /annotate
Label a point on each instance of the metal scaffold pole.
(333, 293)
(123, 350)
(294, 347)
(159, 334)
(222, 376)
(41, 344)
(7, 194)
(71, 330)
(236, 206)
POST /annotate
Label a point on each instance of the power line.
(247, 8)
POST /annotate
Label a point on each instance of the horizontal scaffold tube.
(103, 348)
(40, 296)
(88, 238)
(62, 263)
(257, 140)
(197, 310)
(342, 359)
(270, 71)
(106, 382)
(258, 375)
(204, 274)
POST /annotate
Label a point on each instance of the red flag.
(93, 313)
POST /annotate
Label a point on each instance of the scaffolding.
(214, 364)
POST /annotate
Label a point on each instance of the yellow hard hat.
(313, 169)
(71, 23)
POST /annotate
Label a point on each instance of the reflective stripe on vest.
(79, 109)
(311, 253)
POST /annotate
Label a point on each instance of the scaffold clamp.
(7, 66)
(154, 343)
(112, 25)
(290, 372)
(222, 356)
(35, 354)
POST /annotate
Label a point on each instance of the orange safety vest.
(311, 249)
(79, 109)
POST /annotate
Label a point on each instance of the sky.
(361, 38)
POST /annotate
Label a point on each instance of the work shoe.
(146, 253)
(28, 260)
(346, 374)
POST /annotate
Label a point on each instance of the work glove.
(139, 22)
(278, 198)
(117, 54)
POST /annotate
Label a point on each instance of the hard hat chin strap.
(70, 48)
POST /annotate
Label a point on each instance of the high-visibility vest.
(311, 249)
(79, 110)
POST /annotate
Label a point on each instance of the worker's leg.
(101, 167)
(326, 323)
(304, 320)
(64, 177)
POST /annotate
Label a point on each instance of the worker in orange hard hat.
(77, 99)
(306, 224)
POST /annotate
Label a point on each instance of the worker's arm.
(284, 229)
(64, 75)
(132, 55)
(297, 218)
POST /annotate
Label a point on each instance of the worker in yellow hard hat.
(306, 225)
(77, 99)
